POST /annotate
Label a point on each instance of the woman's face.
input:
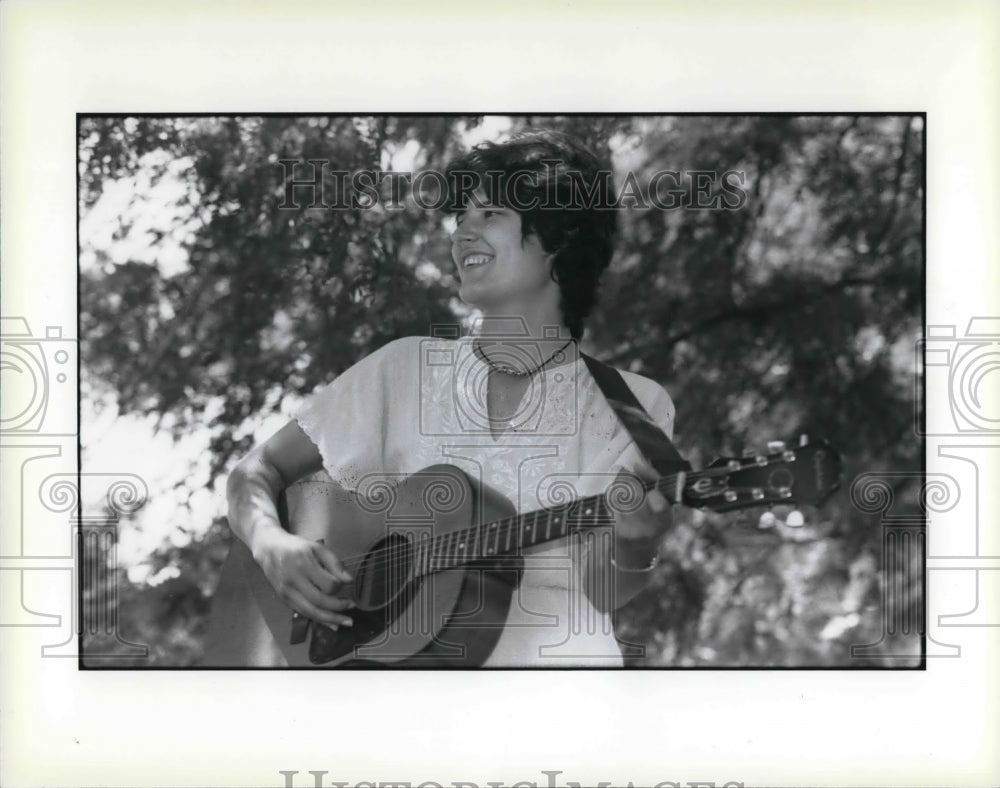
(499, 272)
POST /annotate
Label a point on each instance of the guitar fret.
(506, 528)
(452, 542)
(573, 515)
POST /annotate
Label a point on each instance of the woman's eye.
(485, 213)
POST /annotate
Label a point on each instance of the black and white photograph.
(540, 395)
(506, 391)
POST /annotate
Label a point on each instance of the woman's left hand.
(647, 522)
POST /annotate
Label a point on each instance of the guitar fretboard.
(510, 536)
(728, 484)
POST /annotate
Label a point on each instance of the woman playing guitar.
(513, 405)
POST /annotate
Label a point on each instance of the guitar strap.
(647, 434)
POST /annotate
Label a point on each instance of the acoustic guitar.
(437, 556)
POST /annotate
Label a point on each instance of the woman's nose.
(467, 230)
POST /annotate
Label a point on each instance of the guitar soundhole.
(385, 572)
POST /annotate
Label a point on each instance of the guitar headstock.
(807, 474)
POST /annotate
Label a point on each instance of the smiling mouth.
(475, 259)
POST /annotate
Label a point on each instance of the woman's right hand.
(307, 576)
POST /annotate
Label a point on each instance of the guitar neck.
(512, 535)
(808, 474)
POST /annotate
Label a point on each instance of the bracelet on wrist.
(650, 566)
(637, 545)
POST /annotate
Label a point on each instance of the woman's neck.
(540, 324)
(520, 343)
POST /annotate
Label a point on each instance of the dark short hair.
(564, 194)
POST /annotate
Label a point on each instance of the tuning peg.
(795, 519)
(767, 520)
(773, 447)
(803, 440)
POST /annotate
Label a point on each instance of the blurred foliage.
(796, 312)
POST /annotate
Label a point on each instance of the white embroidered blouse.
(420, 401)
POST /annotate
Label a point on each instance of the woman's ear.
(550, 258)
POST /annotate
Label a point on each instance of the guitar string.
(389, 558)
(437, 541)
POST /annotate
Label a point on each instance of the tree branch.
(750, 311)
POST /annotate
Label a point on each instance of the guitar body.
(436, 559)
(403, 618)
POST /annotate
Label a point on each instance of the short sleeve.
(658, 404)
(655, 399)
(349, 419)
